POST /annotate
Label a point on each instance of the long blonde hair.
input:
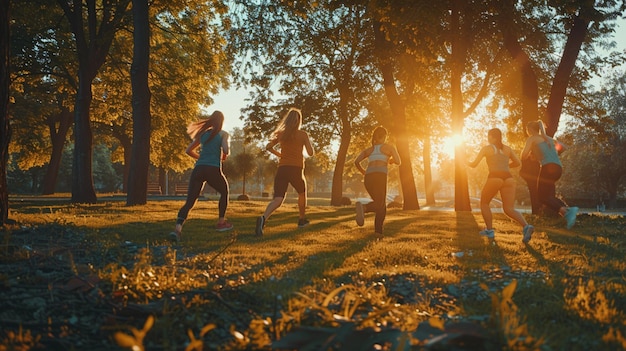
(288, 126)
(214, 123)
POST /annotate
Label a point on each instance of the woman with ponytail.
(293, 142)
(214, 148)
(546, 150)
(500, 158)
(378, 156)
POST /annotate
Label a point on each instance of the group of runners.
(289, 142)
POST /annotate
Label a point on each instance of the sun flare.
(450, 143)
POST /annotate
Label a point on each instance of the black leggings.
(546, 186)
(214, 177)
(376, 186)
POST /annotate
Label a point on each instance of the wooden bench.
(181, 188)
(154, 189)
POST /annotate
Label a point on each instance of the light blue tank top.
(211, 152)
(547, 154)
(377, 155)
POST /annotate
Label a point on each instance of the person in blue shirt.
(546, 150)
(214, 146)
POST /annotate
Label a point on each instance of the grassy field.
(430, 283)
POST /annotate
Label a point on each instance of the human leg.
(546, 187)
(281, 182)
(507, 192)
(376, 186)
(217, 181)
(196, 181)
(490, 189)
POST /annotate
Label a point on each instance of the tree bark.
(398, 121)
(58, 135)
(5, 127)
(336, 192)
(459, 51)
(575, 39)
(428, 176)
(140, 156)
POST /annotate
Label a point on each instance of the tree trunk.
(58, 136)
(5, 127)
(428, 177)
(83, 190)
(461, 187)
(140, 157)
(346, 136)
(398, 121)
(574, 42)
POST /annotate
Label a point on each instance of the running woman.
(499, 158)
(293, 141)
(379, 156)
(214, 143)
(544, 149)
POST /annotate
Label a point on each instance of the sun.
(450, 143)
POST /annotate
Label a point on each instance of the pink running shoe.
(224, 226)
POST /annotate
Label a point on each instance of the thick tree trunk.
(5, 128)
(58, 135)
(140, 157)
(83, 190)
(398, 121)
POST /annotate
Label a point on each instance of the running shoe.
(260, 223)
(303, 222)
(174, 237)
(490, 233)
(224, 226)
(528, 233)
(360, 214)
(570, 216)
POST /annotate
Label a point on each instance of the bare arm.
(527, 148)
(225, 145)
(192, 148)
(360, 158)
(270, 147)
(308, 146)
(395, 157)
(479, 157)
(515, 161)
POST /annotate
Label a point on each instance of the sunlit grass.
(429, 264)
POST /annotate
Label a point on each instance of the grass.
(294, 288)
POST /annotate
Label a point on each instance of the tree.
(140, 159)
(321, 54)
(574, 23)
(5, 127)
(93, 28)
(43, 87)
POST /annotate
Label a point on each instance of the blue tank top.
(547, 154)
(211, 152)
(377, 155)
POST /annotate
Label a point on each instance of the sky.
(230, 102)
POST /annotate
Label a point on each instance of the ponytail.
(542, 132)
(213, 123)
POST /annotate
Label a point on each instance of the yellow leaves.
(135, 341)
